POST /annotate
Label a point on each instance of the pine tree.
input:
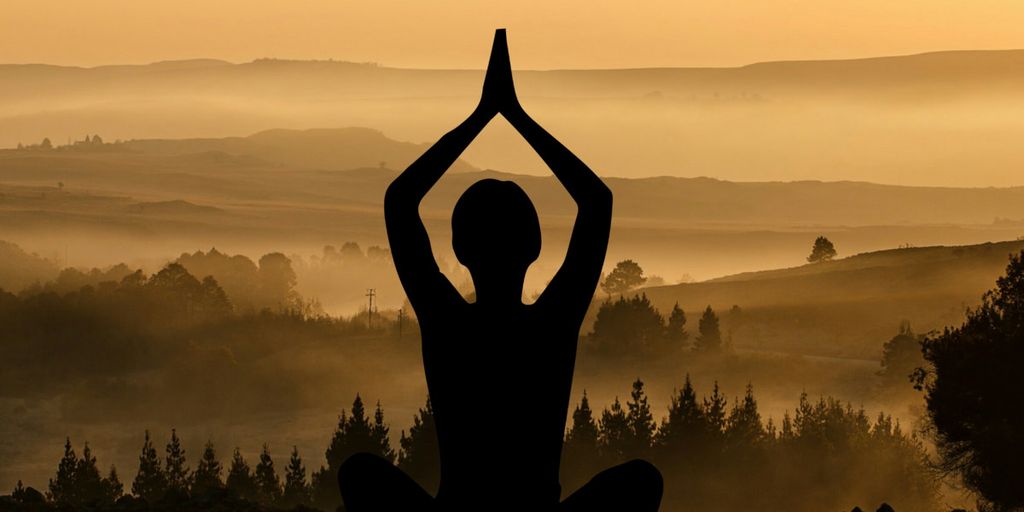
(710, 337)
(580, 451)
(89, 487)
(714, 414)
(641, 423)
(420, 456)
(150, 482)
(176, 469)
(744, 423)
(296, 491)
(240, 480)
(113, 489)
(268, 485)
(685, 425)
(675, 331)
(207, 476)
(62, 487)
(379, 434)
(614, 433)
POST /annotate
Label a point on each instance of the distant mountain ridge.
(323, 148)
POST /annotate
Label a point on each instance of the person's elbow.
(602, 197)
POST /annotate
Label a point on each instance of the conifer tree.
(641, 423)
(268, 485)
(675, 331)
(150, 482)
(240, 479)
(62, 487)
(113, 489)
(296, 490)
(710, 337)
(420, 456)
(685, 426)
(176, 468)
(743, 427)
(580, 450)
(89, 488)
(379, 434)
(715, 414)
(614, 433)
(207, 476)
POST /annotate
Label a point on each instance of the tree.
(685, 424)
(675, 331)
(823, 250)
(150, 482)
(89, 485)
(626, 275)
(972, 393)
(628, 326)
(710, 337)
(580, 450)
(296, 490)
(207, 476)
(240, 480)
(613, 436)
(714, 414)
(62, 487)
(641, 423)
(379, 433)
(901, 355)
(420, 456)
(268, 485)
(46, 144)
(176, 469)
(743, 427)
(277, 281)
(113, 489)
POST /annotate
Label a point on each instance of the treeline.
(634, 327)
(108, 324)
(825, 456)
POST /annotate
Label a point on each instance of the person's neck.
(500, 291)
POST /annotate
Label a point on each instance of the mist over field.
(192, 246)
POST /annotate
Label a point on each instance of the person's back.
(496, 353)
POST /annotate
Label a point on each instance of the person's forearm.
(414, 183)
(575, 176)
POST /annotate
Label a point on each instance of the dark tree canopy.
(421, 457)
(973, 393)
(901, 355)
(709, 338)
(626, 275)
(150, 482)
(207, 476)
(240, 479)
(823, 250)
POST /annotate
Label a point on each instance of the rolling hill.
(945, 118)
(847, 307)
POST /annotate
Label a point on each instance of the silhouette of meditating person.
(484, 356)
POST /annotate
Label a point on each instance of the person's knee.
(358, 469)
(644, 476)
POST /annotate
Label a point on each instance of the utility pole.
(370, 293)
(401, 317)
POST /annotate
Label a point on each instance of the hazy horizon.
(653, 33)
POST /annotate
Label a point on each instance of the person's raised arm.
(410, 245)
(578, 276)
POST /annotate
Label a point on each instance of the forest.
(713, 454)
(181, 349)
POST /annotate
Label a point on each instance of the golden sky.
(543, 33)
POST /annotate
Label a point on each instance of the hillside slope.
(847, 307)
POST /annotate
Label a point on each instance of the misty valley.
(214, 295)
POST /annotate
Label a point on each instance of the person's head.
(495, 230)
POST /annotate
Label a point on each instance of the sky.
(447, 33)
